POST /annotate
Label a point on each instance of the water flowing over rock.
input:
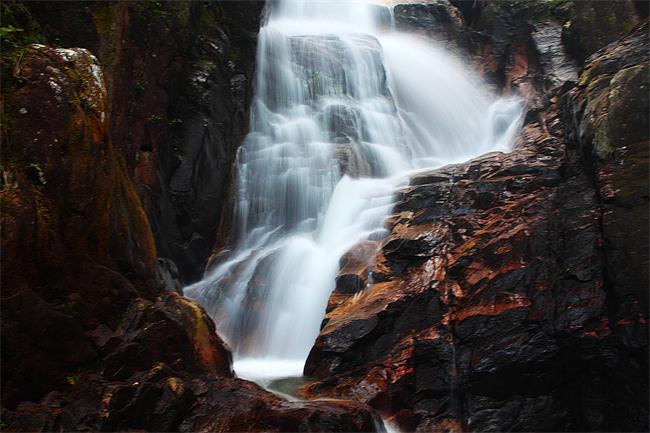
(437, 210)
(338, 119)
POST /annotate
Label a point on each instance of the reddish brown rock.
(179, 78)
(73, 227)
(91, 341)
(492, 307)
(230, 406)
(608, 121)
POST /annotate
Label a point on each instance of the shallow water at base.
(265, 370)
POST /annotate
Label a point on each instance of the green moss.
(38, 171)
(18, 31)
(155, 11)
(612, 20)
(602, 145)
(234, 55)
(73, 379)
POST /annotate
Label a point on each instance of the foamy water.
(343, 112)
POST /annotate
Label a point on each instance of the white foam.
(404, 104)
(267, 369)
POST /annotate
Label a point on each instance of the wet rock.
(331, 66)
(349, 283)
(607, 123)
(178, 104)
(439, 19)
(209, 96)
(240, 408)
(558, 66)
(592, 25)
(91, 340)
(521, 328)
(349, 159)
(66, 252)
(172, 330)
(167, 274)
(342, 122)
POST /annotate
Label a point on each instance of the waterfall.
(345, 108)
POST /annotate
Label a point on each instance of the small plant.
(73, 379)
(234, 56)
(39, 172)
(9, 29)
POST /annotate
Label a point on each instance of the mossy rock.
(592, 25)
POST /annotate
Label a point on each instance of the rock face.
(438, 19)
(179, 85)
(511, 293)
(593, 25)
(76, 242)
(607, 120)
(91, 340)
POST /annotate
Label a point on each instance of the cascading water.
(343, 111)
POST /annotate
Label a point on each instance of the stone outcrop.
(179, 86)
(76, 242)
(592, 25)
(607, 120)
(91, 339)
(511, 292)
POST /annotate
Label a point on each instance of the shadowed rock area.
(179, 77)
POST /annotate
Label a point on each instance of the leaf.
(8, 29)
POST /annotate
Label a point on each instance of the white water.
(343, 112)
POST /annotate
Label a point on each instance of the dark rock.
(558, 66)
(533, 322)
(91, 340)
(177, 105)
(439, 19)
(349, 283)
(167, 274)
(240, 408)
(592, 25)
(65, 253)
(172, 330)
(606, 120)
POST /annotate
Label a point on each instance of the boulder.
(73, 226)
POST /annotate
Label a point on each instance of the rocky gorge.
(511, 293)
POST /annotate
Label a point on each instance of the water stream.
(344, 110)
